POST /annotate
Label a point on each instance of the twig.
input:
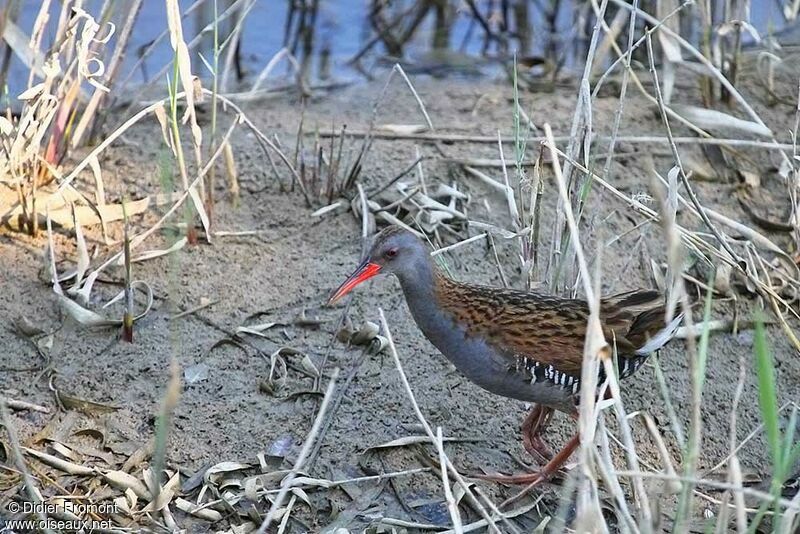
(399, 69)
(13, 440)
(758, 494)
(22, 405)
(450, 467)
(458, 245)
(263, 139)
(191, 311)
(452, 507)
(645, 139)
(388, 184)
(312, 457)
(286, 484)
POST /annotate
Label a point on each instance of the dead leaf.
(85, 406)
(195, 373)
(207, 514)
(711, 119)
(58, 463)
(126, 481)
(413, 440)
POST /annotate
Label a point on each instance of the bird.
(523, 345)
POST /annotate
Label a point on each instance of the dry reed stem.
(675, 154)
(694, 481)
(286, 484)
(399, 69)
(99, 95)
(612, 483)
(647, 139)
(231, 44)
(691, 239)
(138, 239)
(450, 467)
(155, 42)
(594, 349)
(13, 441)
(695, 430)
(283, 52)
(627, 438)
(452, 507)
(566, 206)
(720, 77)
(68, 179)
(36, 35)
(735, 476)
(583, 107)
(626, 57)
(623, 90)
(697, 55)
(450, 248)
(263, 140)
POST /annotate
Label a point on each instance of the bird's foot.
(537, 477)
(537, 448)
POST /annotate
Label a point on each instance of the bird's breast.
(486, 366)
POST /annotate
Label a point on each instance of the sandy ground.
(290, 268)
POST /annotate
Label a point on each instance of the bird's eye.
(391, 253)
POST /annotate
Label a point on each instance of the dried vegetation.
(51, 178)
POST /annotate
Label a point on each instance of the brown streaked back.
(547, 329)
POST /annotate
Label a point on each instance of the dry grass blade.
(788, 505)
(450, 248)
(431, 436)
(286, 484)
(127, 318)
(99, 96)
(23, 405)
(710, 119)
(110, 138)
(60, 464)
(184, 67)
(13, 440)
(595, 349)
(452, 507)
(399, 69)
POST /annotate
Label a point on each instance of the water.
(340, 30)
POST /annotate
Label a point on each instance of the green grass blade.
(765, 372)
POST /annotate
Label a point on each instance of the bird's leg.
(535, 423)
(546, 472)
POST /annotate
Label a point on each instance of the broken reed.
(326, 173)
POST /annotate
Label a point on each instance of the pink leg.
(535, 423)
(539, 476)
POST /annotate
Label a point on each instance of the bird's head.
(394, 250)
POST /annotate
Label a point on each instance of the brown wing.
(634, 317)
(545, 329)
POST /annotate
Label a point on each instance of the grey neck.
(419, 283)
(418, 280)
(471, 356)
